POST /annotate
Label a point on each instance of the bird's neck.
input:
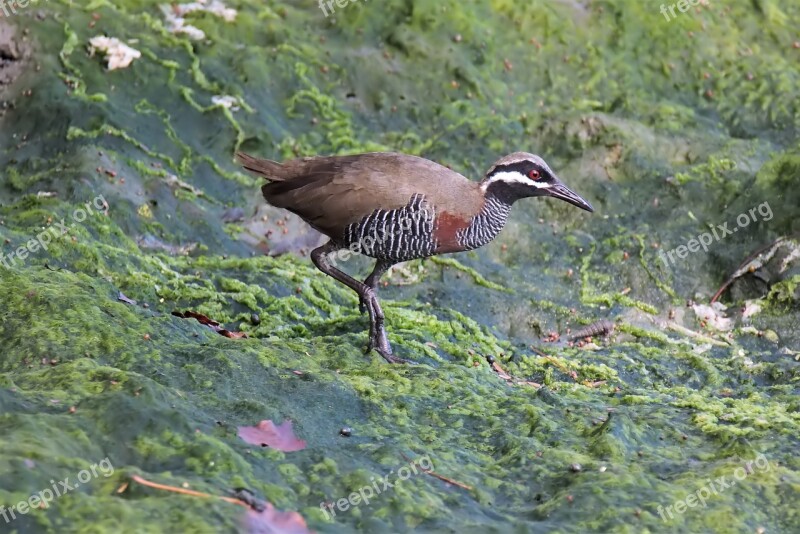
(485, 226)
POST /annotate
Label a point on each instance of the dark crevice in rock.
(12, 55)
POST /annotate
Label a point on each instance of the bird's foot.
(396, 359)
(380, 343)
(378, 339)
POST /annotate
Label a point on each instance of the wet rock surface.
(670, 128)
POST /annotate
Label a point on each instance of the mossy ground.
(667, 127)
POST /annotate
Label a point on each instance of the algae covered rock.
(122, 183)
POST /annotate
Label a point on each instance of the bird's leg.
(372, 280)
(377, 333)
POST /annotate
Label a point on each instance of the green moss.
(785, 293)
(709, 98)
(476, 277)
(608, 299)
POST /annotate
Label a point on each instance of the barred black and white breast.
(395, 235)
(417, 230)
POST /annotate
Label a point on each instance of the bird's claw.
(382, 347)
(378, 339)
(380, 343)
(395, 359)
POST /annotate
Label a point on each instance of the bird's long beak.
(563, 192)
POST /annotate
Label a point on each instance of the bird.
(396, 207)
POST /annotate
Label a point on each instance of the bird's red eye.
(533, 174)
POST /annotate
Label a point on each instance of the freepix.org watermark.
(332, 4)
(719, 232)
(42, 499)
(682, 5)
(382, 236)
(715, 487)
(9, 7)
(55, 229)
(370, 491)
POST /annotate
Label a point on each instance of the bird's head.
(522, 175)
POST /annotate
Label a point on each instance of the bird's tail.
(271, 170)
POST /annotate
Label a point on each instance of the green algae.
(476, 276)
(162, 396)
(608, 299)
(72, 75)
(784, 293)
(666, 288)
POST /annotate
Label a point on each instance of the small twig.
(537, 351)
(184, 491)
(696, 335)
(449, 480)
(536, 385)
(500, 371)
(432, 473)
(736, 274)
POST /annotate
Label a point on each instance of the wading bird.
(364, 202)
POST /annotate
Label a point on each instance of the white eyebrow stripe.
(514, 177)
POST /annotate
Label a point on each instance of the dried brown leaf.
(211, 323)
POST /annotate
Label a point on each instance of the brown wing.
(331, 192)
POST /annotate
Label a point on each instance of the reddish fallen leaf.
(272, 521)
(125, 299)
(268, 434)
(211, 323)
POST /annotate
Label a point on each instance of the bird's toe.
(395, 359)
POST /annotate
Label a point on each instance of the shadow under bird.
(396, 207)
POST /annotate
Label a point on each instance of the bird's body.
(396, 207)
(337, 196)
